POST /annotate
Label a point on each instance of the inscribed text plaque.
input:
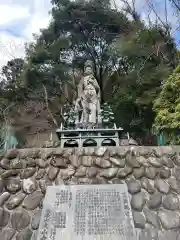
(88, 212)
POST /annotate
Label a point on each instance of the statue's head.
(88, 68)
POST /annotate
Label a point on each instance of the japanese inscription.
(87, 212)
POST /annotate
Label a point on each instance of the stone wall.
(151, 174)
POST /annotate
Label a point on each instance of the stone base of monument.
(91, 212)
(89, 137)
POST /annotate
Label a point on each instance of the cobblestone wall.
(151, 174)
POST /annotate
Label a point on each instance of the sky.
(21, 18)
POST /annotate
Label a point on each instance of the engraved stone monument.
(87, 212)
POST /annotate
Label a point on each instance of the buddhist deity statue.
(87, 104)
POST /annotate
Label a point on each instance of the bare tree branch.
(176, 4)
(47, 105)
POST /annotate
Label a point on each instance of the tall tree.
(87, 27)
(145, 61)
(167, 107)
(11, 73)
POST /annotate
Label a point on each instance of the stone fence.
(152, 175)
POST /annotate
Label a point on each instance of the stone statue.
(87, 104)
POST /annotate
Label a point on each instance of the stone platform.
(89, 137)
(152, 176)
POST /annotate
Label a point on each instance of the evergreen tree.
(167, 107)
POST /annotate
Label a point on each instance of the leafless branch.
(176, 5)
(47, 105)
(151, 5)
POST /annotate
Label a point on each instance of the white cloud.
(25, 17)
(10, 13)
(39, 19)
(17, 12)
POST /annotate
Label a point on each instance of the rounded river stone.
(7, 234)
(133, 186)
(151, 217)
(142, 161)
(177, 173)
(101, 180)
(102, 163)
(10, 173)
(162, 186)
(16, 164)
(41, 163)
(59, 162)
(91, 172)
(52, 173)
(165, 172)
(171, 202)
(169, 219)
(124, 172)
(75, 160)
(59, 180)
(167, 161)
(139, 219)
(20, 219)
(12, 184)
(67, 173)
(87, 161)
(168, 235)
(138, 201)
(11, 154)
(4, 218)
(117, 181)
(176, 160)
(5, 163)
(27, 173)
(32, 201)
(100, 151)
(4, 197)
(80, 172)
(42, 185)
(24, 235)
(150, 172)
(148, 234)
(73, 181)
(138, 172)
(118, 162)
(154, 162)
(36, 219)
(15, 200)
(40, 174)
(1, 185)
(30, 162)
(155, 200)
(29, 185)
(174, 185)
(147, 185)
(131, 161)
(85, 181)
(109, 173)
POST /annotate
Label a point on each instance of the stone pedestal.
(89, 137)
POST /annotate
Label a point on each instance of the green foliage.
(11, 74)
(107, 116)
(146, 60)
(167, 107)
(89, 27)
